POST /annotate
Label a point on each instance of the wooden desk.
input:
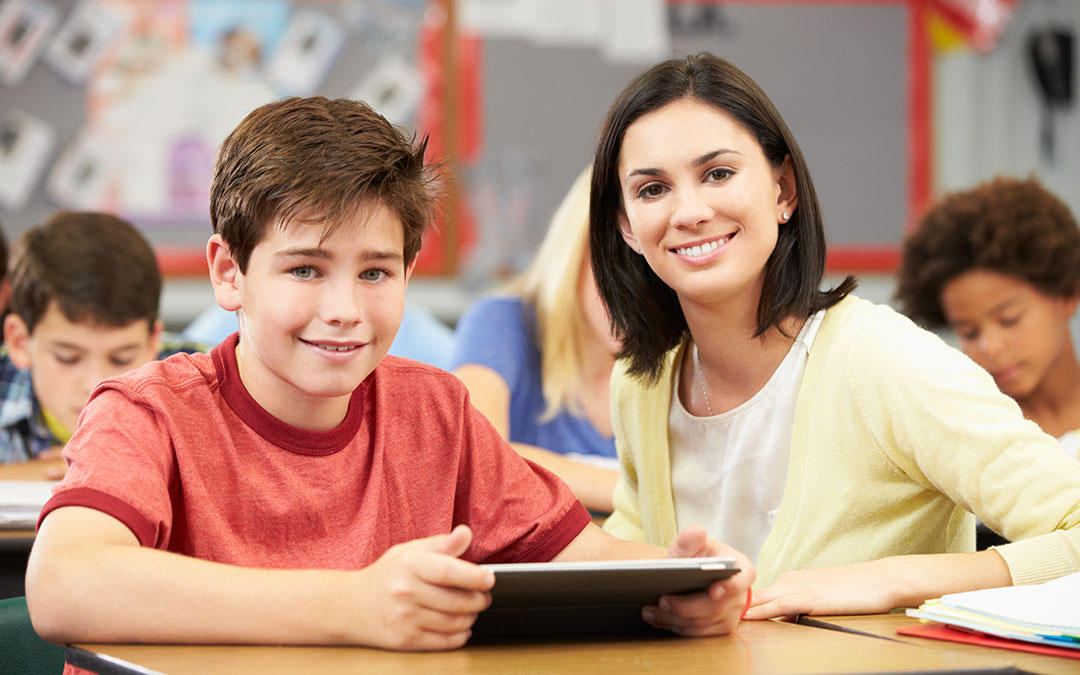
(885, 625)
(758, 647)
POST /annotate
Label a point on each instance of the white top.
(728, 470)
(1070, 441)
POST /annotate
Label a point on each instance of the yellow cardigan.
(897, 439)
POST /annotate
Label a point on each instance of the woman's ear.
(225, 274)
(627, 232)
(787, 197)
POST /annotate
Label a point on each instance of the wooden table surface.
(885, 625)
(769, 647)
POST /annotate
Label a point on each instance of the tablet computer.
(589, 597)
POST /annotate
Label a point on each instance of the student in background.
(832, 440)
(537, 360)
(5, 282)
(84, 306)
(297, 485)
(999, 264)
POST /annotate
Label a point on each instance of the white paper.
(305, 54)
(393, 89)
(81, 43)
(634, 31)
(25, 144)
(21, 501)
(565, 22)
(24, 25)
(496, 18)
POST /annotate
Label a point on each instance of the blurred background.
(119, 105)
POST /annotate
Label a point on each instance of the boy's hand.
(717, 610)
(422, 597)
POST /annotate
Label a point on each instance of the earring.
(639, 250)
(787, 216)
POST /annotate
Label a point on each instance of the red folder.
(939, 631)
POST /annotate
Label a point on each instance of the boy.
(84, 306)
(315, 492)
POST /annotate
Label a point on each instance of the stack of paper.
(21, 501)
(1047, 614)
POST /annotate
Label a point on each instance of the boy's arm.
(89, 580)
(715, 612)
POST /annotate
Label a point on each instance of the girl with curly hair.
(1000, 265)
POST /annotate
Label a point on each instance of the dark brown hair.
(645, 312)
(98, 268)
(317, 159)
(1011, 226)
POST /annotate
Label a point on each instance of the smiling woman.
(790, 421)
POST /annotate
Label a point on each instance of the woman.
(537, 359)
(830, 439)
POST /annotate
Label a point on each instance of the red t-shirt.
(180, 452)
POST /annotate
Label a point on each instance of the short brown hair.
(1010, 226)
(325, 155)
(98, 268)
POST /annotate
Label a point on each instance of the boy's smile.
(316, 316)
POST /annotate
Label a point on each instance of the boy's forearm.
(595, 544)
(113, 593)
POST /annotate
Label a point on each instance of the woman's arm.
(878, 586)
(491, 396)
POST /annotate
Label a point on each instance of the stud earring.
(787, 216)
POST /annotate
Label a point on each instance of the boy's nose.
(341, 305)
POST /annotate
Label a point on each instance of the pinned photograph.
(393, 89)
(305, 54)
(24, 25)
(81, 42)
(25, 144)
(80, 178)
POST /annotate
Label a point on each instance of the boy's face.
(67, 359)
(315, 317)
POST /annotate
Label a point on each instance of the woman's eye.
(651, 190)
(721, 174)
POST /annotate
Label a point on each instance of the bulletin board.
(851, 78)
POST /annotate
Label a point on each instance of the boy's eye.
(303, 272)
(122, 363)
(373, 274)
(66, 359)
(1010, 320)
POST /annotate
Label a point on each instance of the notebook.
(588, 598)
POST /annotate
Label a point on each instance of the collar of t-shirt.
(281, 434)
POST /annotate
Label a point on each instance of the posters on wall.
(24, 27)
(81, 42)
(25, 146)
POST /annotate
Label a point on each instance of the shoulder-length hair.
(550, 285)
(645, 311)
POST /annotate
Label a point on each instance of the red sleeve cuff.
(560, 536)
(90, 498)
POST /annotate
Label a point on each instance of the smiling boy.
(85, 292)
(295, 486)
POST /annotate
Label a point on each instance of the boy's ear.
(224, 273)
(17, 340)
(788, 197)
(409, 268)
(627, 232)
(155, 338)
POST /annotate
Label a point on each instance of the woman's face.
(701, 201)
(1008, 327)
